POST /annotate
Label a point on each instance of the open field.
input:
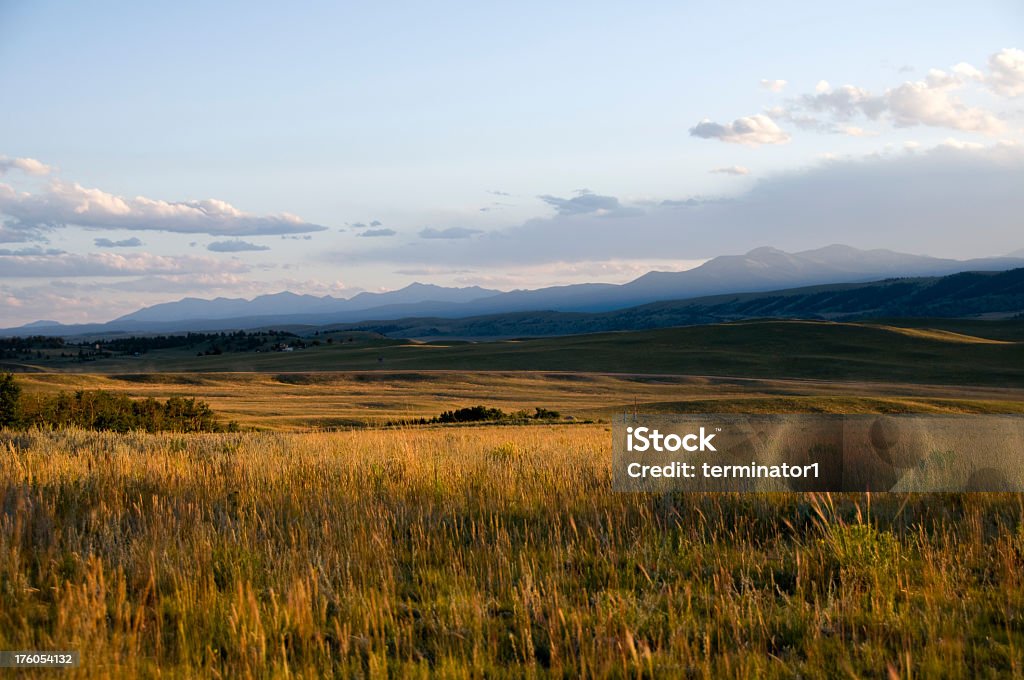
(290, 401)
(501, 551)
(956, 353)
(479, 552)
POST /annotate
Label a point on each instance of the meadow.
(322, 541)
(481, 552)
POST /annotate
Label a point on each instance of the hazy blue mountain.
(42, 324)
(964, 295)
(761, 269)
(286, 303)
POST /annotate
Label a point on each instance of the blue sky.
(171, 138)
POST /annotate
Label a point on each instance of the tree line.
(101, 410)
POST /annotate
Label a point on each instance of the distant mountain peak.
(762, 269)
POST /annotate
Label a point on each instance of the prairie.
(331, 540)
(331, 400)
(485, 551)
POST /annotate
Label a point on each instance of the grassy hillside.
(765, 349)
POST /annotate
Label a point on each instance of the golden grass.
(481, 552)
(300, 401)
(945, 336)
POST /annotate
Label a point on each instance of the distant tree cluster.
(483, 414)
(214, 343)
(100, 410)
(471, 414)
(15, 348)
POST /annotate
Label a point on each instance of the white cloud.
(968, 72)
(773, 85)
(933, 101)
(731, 170)
(854, 131)
(930, 103)
(67, 203)
(29, 166)
(750, 130)
(960, 145)
(1006, 69)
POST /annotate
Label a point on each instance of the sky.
(155, 151)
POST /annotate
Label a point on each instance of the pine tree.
(10, 401)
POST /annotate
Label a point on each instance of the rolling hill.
(969, 294)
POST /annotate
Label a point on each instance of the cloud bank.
(953, 200)
(934, 101)
(28, 216)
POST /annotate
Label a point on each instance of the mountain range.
(988, 295)
(762, 269)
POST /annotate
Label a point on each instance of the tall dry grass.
(480, 552)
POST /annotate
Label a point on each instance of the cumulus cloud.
(369, 233)
(376, 223)
(234, 246)
(450, 233)
(774, 85)
(750, 130)
(731, 170)
(932, 101)
(1006, 72)
(67, 203)
(29, 166)
(111, 264)
(124, 243)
